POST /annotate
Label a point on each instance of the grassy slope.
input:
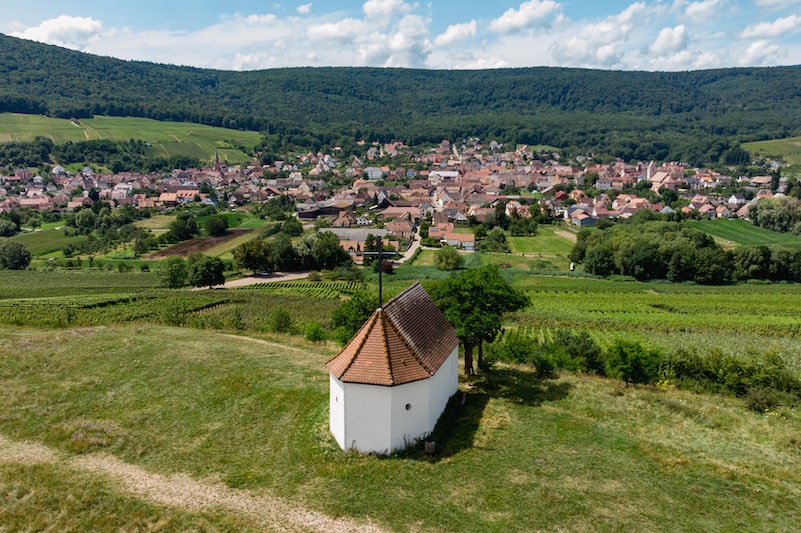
(577, 453)
(167, 138)
(789, 149)
(742, 232)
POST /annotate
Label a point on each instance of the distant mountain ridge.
(656, 113)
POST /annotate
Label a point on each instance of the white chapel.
(391, 382)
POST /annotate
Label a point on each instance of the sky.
(653, 35)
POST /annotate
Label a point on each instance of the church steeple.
(217, 166)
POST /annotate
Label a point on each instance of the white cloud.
(669, 40)
(776, 3)
(456, 33)
(702, 10)
(529, 14)
(772, 29)
(385, 10)
(342, 30)
(64, 30)
(653, 35)
(761, 53)
(602, 44)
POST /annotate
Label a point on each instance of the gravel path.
(275, 276)
(184, 492)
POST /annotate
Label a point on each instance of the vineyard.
(743, 320)
(315, 289)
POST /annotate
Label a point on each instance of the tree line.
(635, 115)
(657, 249)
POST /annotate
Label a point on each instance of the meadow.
(789, 149)
(733, 232)
(107, 427)
(167, 139)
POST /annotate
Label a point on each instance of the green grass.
(574, 454)
(167, 138)
(48, 240)
(546, 242)
(729, 232)
(788, 149)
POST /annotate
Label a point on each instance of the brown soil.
(201, 244)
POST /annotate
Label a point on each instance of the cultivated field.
(729, 233)
(788, 149)
(167, 138)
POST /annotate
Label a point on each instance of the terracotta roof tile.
(408, 340)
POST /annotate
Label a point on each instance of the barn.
(391, 382)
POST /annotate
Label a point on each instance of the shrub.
(631, 362)
(280, 321)
(762, 399)
(314, 332)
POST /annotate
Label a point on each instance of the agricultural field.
(45, 241)
(166, 138)
(788, 149)
(548, 245)
(729, 233)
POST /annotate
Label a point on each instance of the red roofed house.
(391, 382)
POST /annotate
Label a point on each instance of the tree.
(7, 227)
(292, 227)
(474, 302)
(14, 255)
(495, 241)
(351, 314)
(174, 275)
(207, 272)
(752, 262)
(217, 225)
(255, 255)
(448, 258)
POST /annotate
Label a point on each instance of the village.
(448, 186)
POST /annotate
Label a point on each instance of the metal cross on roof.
(380, 254)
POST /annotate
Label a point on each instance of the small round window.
(408, 407)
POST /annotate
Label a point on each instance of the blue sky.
(439, 34)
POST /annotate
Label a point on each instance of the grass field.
(788, 149)
(546, 242)
(729, 233)
(118, 421)
(48, 240)
(167, 138)
(155, 428)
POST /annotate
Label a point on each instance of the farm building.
(390, 384)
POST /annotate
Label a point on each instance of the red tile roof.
(408, 340)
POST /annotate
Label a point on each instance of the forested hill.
(678, 115)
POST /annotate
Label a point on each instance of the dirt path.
(275, 276)
(182, 491)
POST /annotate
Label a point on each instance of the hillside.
(173, 429)
(163, 138)
(663, 115)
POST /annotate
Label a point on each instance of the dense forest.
(697, 116)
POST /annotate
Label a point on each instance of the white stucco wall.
(336, 409)
(375, 419)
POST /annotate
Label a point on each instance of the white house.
(391, 383)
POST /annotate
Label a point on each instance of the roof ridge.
(413, 349)
(387, 355)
